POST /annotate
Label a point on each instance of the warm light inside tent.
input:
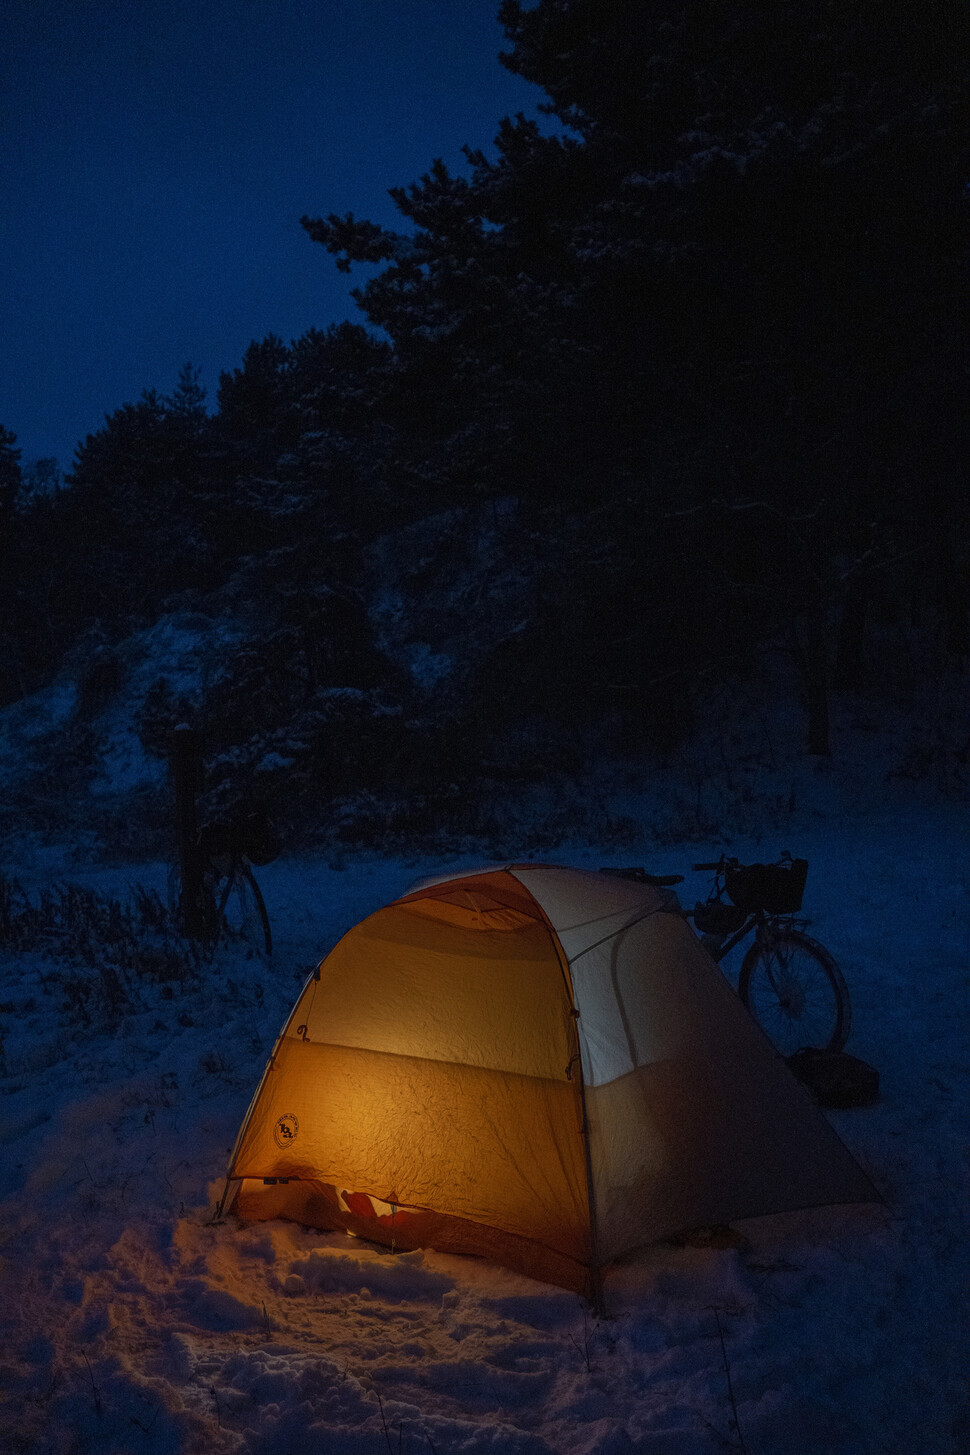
(538, 1065)
(426, 1134)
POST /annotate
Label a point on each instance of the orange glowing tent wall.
(536, 1065)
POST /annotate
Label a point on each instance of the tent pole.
(230, 1175)
(217, 1216)
(597, 1296)
(595, 1276)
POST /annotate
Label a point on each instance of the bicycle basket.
(717, 918)
(775, 888)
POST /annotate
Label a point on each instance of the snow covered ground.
(132, 1325)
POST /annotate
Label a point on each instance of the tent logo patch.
(284, 1133)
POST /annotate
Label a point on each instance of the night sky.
(157, 156)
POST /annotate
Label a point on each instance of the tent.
(535, 1064)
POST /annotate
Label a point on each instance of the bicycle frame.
(753, 922)
(762, 923)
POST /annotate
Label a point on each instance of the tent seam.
(638, 919)
(564, 965)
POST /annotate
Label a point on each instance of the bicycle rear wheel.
(242, 911)
(796, 992)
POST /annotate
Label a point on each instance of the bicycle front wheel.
(242, 911)
(796, 993)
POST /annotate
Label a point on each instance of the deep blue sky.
(155, 159)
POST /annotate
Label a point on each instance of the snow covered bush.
(103, 946)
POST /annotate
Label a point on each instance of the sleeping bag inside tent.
(534, 1064)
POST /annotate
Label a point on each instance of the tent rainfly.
(534, 1064)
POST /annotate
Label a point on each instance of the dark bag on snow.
(836, 1078)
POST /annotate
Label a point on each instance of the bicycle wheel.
(796, 993)
(242, 912)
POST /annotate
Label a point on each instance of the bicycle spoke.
(795, 993)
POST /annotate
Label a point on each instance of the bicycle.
(789, 982)
(231, 904)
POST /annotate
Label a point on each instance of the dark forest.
(654, 399)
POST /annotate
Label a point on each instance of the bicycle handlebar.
(718, 865)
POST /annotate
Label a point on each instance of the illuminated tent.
(535, 1064)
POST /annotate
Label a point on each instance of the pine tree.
(721, 282)
(137, 481)
(254, 407)
(751, 232)
(10, 488)
(10, 473)
(41, 478)
(186, 403)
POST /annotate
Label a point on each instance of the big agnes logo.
(284, 1133)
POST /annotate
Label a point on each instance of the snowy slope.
(133, 1325)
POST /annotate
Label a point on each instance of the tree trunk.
(957, 618)
(849, 658)
(187, 775)
(817, 693)
(813, 671)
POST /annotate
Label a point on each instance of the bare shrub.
(108, 946)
